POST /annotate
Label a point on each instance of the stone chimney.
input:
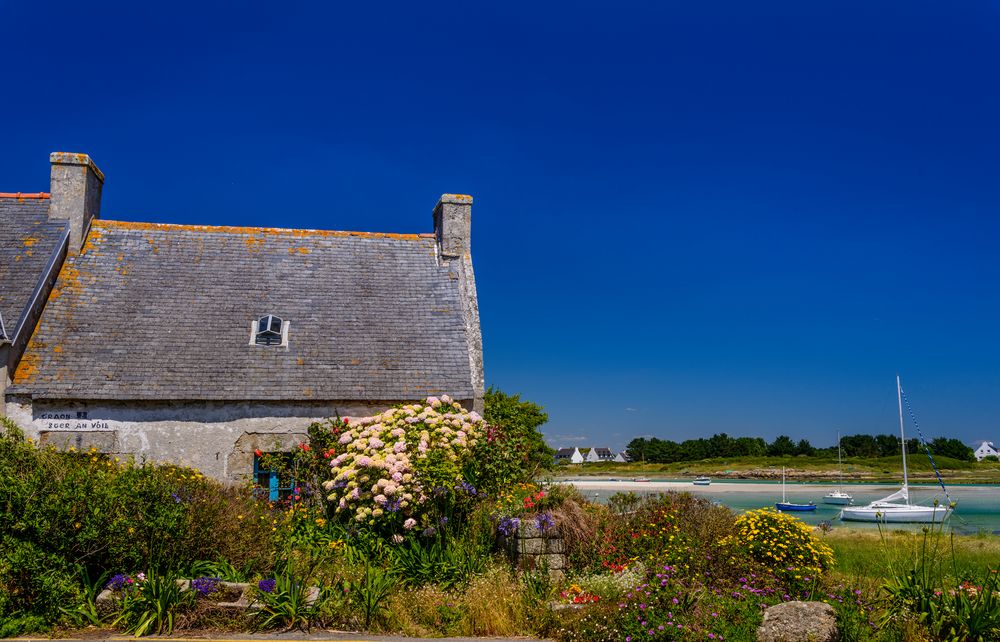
(76, 194)
(453, 224)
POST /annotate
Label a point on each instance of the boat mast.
(902, 437)
(783, 500)
(840, 465)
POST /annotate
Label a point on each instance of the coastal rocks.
(797, 622)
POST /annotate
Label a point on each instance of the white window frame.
(285, 324)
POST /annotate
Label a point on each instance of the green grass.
(883, 469)
(871, 555)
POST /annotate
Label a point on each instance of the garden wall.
(535, 549)
(217, 438)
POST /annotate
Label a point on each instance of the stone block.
(554, 561)
(534, 546)
(797, 621)
(529, 530)
(555, 545)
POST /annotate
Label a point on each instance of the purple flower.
(266, 586)
(544, 522)
(509, 525)
(467, 488)
(119, 582)
(205, 585)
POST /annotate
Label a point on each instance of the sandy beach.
(663, 486)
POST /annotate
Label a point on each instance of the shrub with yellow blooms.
(781, 542)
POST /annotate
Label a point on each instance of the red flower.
(258, 453)
(346, 420)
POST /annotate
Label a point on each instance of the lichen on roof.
(262, 232)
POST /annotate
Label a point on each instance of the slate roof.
(155, 312)
(28, 239)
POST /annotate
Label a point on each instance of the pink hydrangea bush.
(393, 464)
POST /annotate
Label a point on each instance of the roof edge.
(25, 196)
(256, 231)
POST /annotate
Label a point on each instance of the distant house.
(622, 458)
(600, 454)
(569, 456)
(986, 449)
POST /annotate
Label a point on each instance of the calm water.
(977, 509)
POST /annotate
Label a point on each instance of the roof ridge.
(233, 229)
(23, 195)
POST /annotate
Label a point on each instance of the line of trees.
(665, 451)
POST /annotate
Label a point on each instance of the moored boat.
(891, 511)
(701, 480)
(784, 505)
(838, 496)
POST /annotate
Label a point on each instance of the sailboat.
(889, 509)
(839, 496)
(785, 505)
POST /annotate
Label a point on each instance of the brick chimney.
(76, 194)
(453, 224)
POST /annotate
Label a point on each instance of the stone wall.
(534, 549)
(217, 438)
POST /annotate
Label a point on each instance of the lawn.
(884, 469)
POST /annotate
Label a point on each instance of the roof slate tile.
(28, 239)
(151, 311)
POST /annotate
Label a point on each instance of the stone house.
(986, 449)
(600, 454)
(199, 345)
(569, 456)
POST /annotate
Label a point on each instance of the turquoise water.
(977, 507)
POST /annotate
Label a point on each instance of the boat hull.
(838, 500)
(784, 506)
(901, 514)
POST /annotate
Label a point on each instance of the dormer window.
(269, 331)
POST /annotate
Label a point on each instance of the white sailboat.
(889, 509)
(838, 496)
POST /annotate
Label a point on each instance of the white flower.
(409, 524)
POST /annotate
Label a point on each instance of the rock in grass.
(798, 622)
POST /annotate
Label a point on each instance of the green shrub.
(514, 451)
(149, 606)
(34, 583)
(61, 511)
(783, 543)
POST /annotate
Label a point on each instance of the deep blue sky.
(690, 217)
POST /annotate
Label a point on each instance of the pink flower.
(409, 524)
